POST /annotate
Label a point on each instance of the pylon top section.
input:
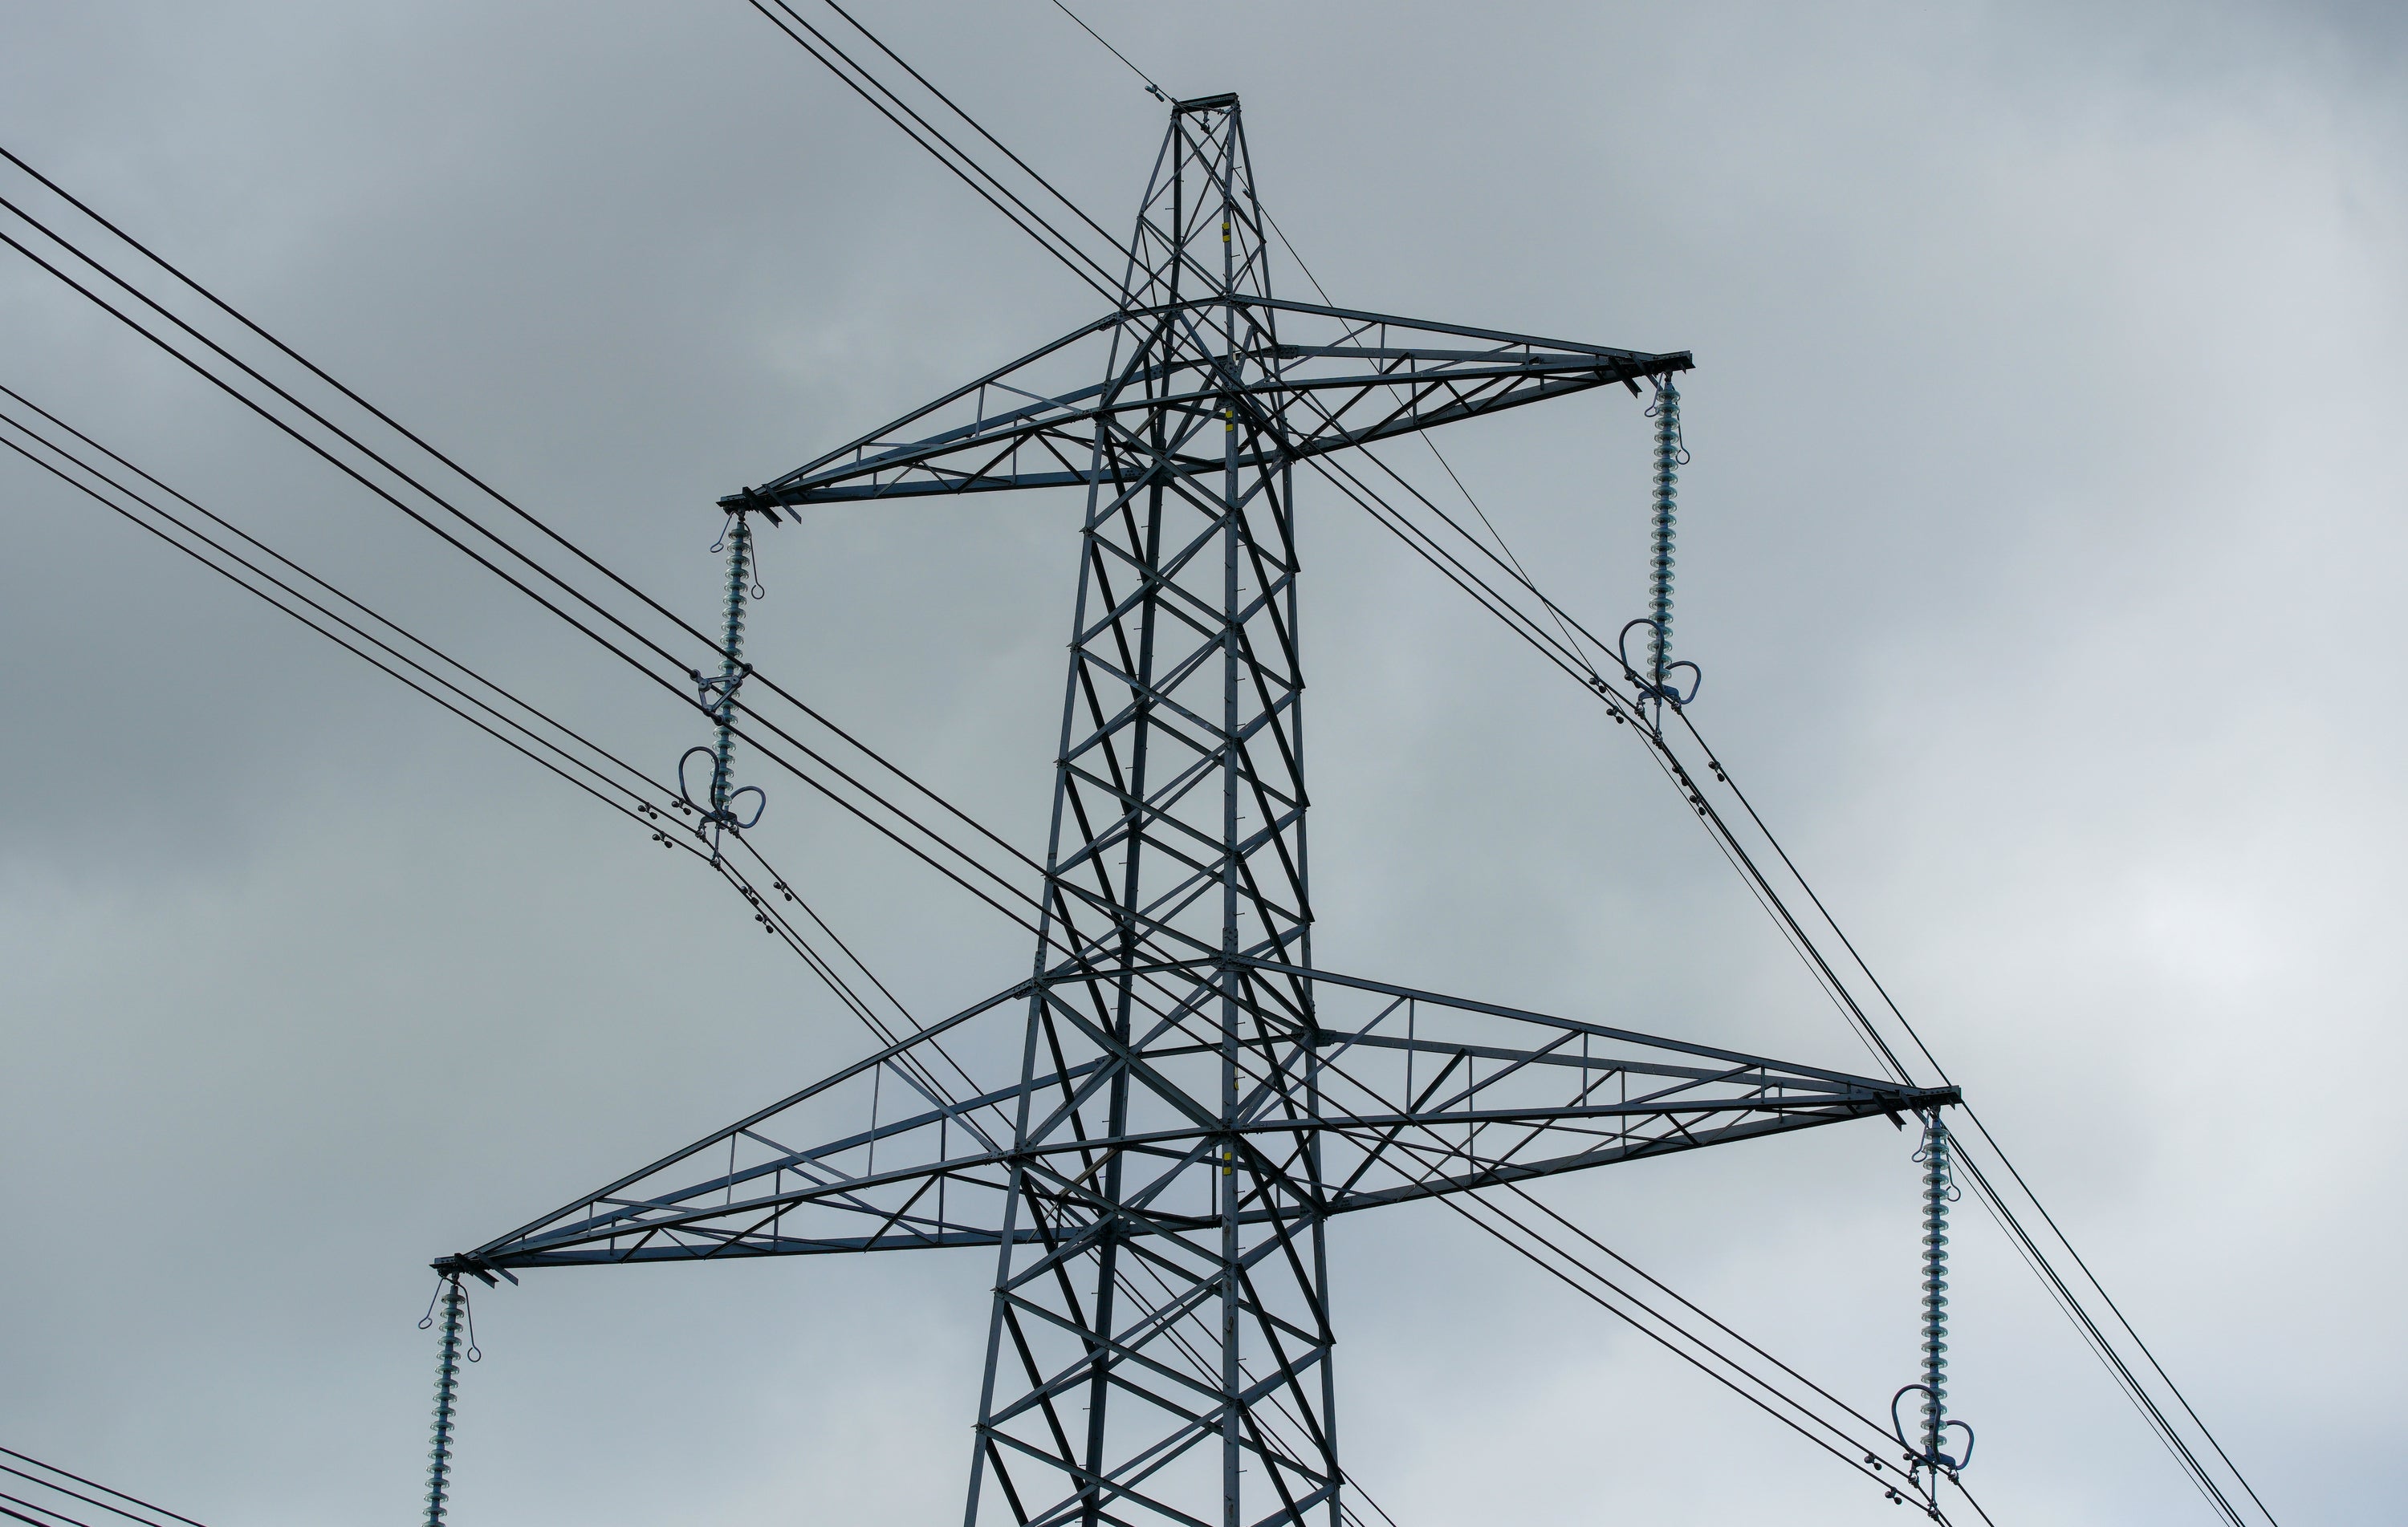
(1197, 331)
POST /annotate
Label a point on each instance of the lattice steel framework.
(1194, 1098)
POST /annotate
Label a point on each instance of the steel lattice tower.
(1195, 1099)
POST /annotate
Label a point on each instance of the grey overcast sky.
(2041, 549)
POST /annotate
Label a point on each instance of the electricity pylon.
(1193, 1099)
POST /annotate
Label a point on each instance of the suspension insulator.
(1935, 1283)
(1659, 581)
(455, 1301)
(1924, 1450)
(720, 809)
(739, 560)
(1655, 675)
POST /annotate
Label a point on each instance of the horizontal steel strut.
(1402, 1084)
(1384, 377)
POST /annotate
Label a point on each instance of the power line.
(314, 416)
(963, 166)
(89, 1484)
(614, 792)
(294, 433)
(312, 604)
(378, 414)
(1151, 89)
(479, 722)
(304, 441)
(51, 1515)
(1075, 209)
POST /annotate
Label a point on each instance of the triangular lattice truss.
(1193, 1100)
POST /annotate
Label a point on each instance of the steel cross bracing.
(1192, 1099)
